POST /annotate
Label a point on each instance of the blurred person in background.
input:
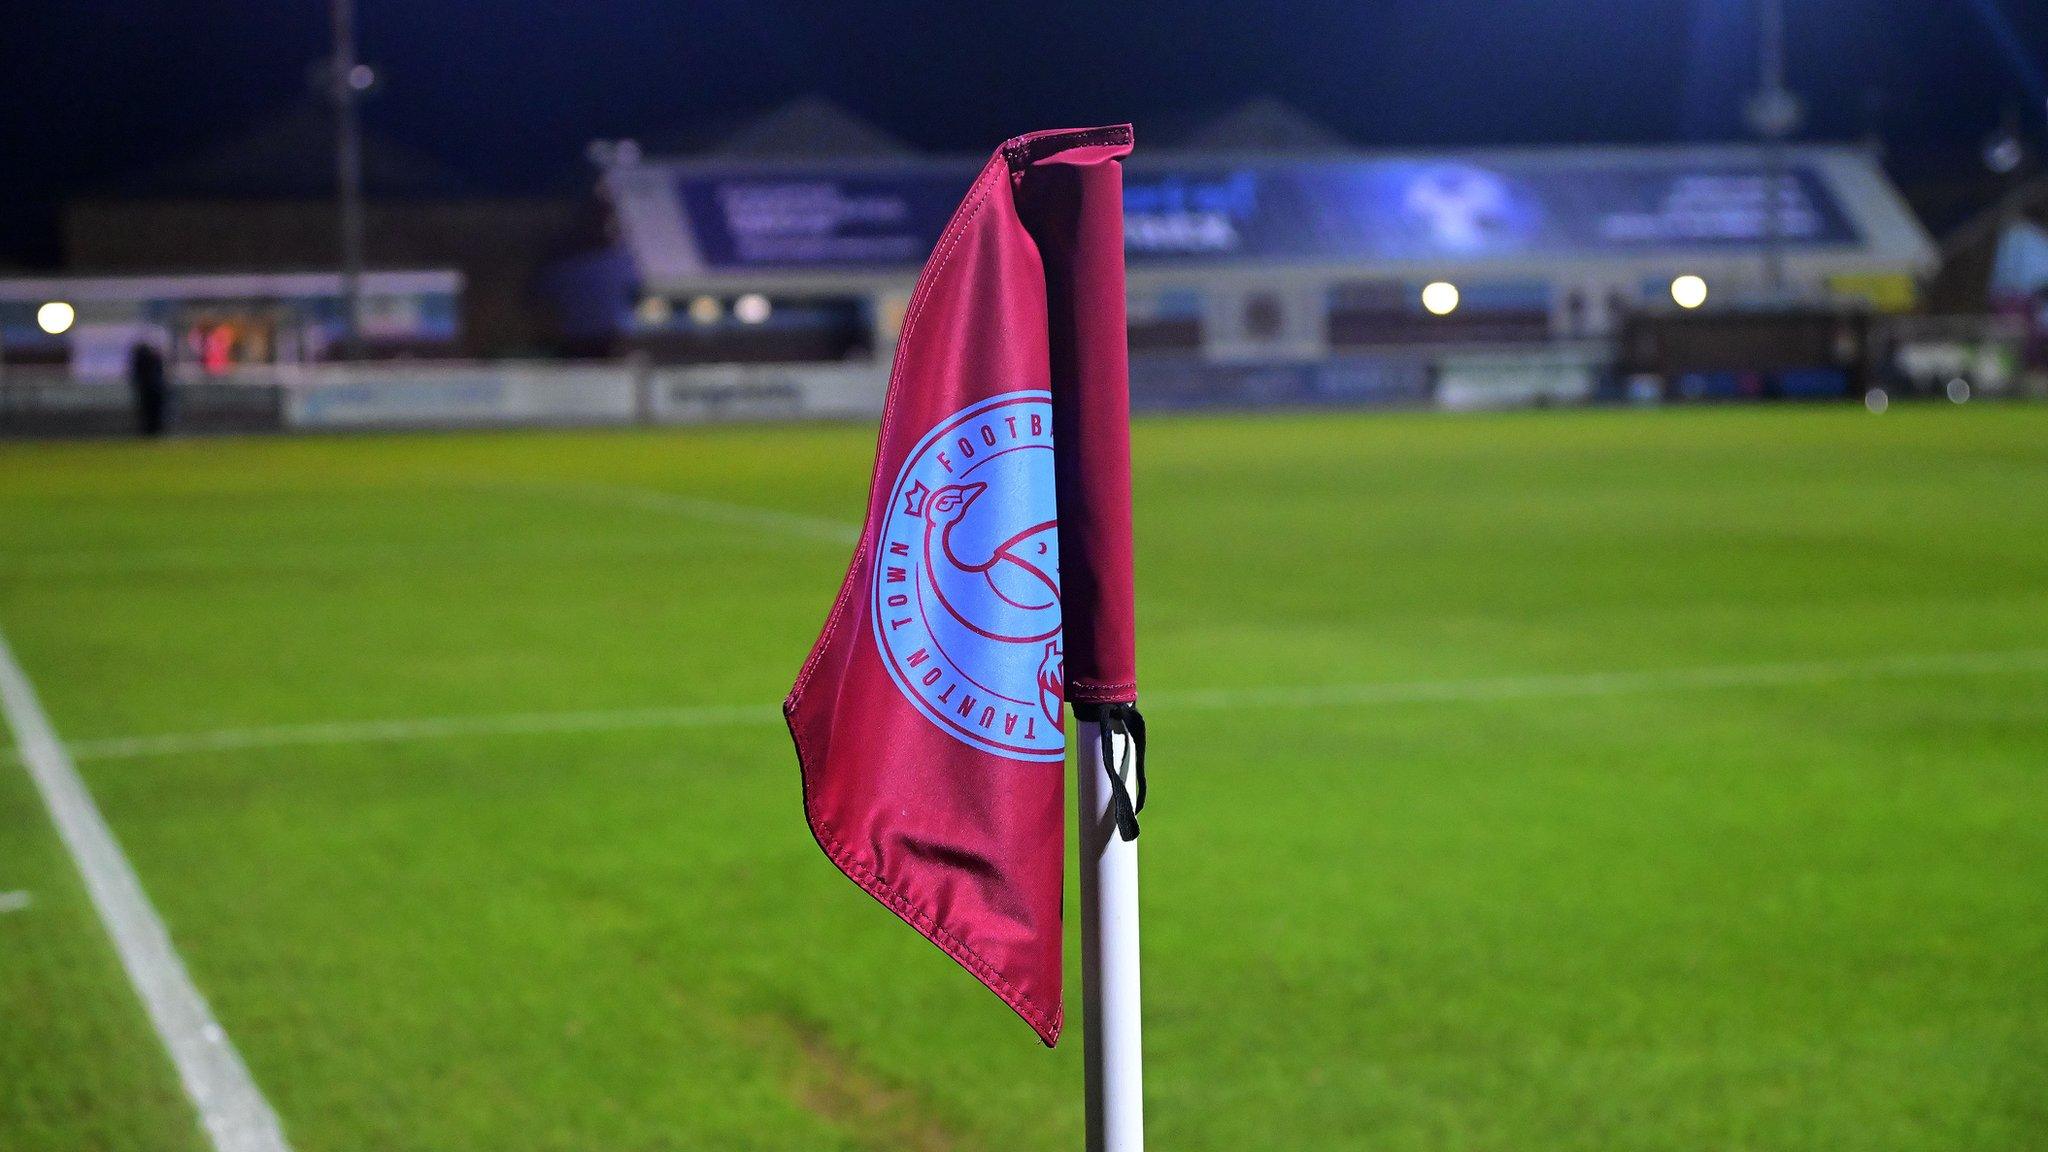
(150, 383)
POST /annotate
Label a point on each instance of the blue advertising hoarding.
(1323, 211)
(819, 220)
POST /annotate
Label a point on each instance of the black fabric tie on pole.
(1112, 720)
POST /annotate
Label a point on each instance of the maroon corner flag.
(993, 577)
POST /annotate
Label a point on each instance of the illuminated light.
(706, 310)
(217, 348)
(56, 317)
(1689, 291)
(2004, 153)
(655, 311)
(361, 77)
(890, 313)
(1876, 401)
(1958, 391)
(1440, 297)
(753, 308)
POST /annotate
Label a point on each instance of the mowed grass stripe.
(1796, 915)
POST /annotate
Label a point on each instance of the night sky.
(94, 92)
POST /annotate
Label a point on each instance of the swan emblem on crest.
(1021, 572)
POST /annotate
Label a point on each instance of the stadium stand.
(760, 267)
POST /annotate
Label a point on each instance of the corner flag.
(992, 582)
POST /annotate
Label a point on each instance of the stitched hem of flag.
(1023, 151)
(1083, 692)
(1046, 1024)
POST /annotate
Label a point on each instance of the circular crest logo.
(967, 579)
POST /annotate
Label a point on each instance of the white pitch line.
(717, 511)
(233, 1111)
(128, 562)
(424, 728)
(1477, 690)
(1611, 683)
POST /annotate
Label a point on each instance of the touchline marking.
(234, 1113)
(15, 901)
(1479, 690)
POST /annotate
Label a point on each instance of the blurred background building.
(759, 266)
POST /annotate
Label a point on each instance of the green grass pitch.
(1509, 872)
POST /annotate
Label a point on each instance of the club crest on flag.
(966, 580)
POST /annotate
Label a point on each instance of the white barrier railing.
(413, 395)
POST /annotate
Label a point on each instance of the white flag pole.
(1111, 1028)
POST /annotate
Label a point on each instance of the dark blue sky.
(508, 91)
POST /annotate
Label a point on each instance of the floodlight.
(56, 317)
(753, 308)
(654, 311)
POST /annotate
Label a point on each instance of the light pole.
(1774, 113)
(349, 80)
